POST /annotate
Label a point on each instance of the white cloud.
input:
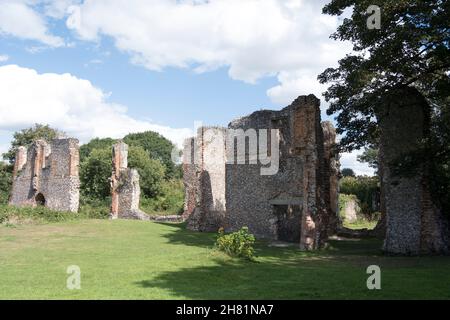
(68, 103)
(288, 39)
(285, 38)
(19, 19)
(349, 160)
(4, 57)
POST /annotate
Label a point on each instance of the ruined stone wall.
(332, 169)
(413, 224)
(204, 176)
(125, 188)
(47, 174)
(232, 189)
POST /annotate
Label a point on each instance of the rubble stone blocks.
(47, 174)
(414, 224)
(125, 188)
(226, 188)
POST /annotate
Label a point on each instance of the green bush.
(237, 244)
(366, 189)
(151, 171)
(91, 208)
(95, 171)
(157, 148)
(5, 181)
(170, 201)
(43, 214)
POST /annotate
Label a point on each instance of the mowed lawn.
(146, 260)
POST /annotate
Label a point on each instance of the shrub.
(366, 189)
(5, 181)
(170, 201)
(237, 244)
(43, 214)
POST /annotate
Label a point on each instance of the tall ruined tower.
(204, 171)
(47, 174)
(414, 224)
(125, 188)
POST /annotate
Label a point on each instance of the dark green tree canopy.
(157, 146)
(26, 137)
(348, 172)
(411, 49)
(369, 156)
(5, 181)
(96, 170)
(96, 143)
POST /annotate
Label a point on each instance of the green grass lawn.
(146, 260)
(360, 224)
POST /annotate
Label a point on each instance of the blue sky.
(175, 97)
(106, 68)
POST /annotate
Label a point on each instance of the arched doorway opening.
(40, 199)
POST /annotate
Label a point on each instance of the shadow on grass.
(284, 279)
(338, 272)
(180, 235)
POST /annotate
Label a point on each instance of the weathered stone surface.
(413, 223)
(47, 174)
(351, 210)
(231, 189)
(204, 179)
(125, 188)
(332, 168)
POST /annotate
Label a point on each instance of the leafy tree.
(365, 188)
(5, 181)
(96, 169)
(96, 143)
(347, 172)
(151, 171)
(26, 137)
(369, 156)
(158, 148)
(411, 49)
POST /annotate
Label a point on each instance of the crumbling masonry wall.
(414, 224)
(125, 188)
(297, 203)
(332, 168)
(47, 174)
(204, 179)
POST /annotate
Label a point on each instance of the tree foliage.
(96, 143)
(410, 49)
(365, 188)
(158, 148)
(347, 172)
(27, 136)
(151, 171)
(369, 156)
(5, 181)
(96, 170)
